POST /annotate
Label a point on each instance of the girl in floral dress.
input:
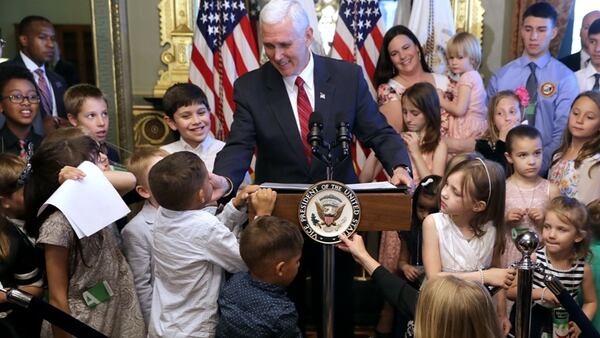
(575, 165)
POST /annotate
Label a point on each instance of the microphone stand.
(344, 138)
(50, 313)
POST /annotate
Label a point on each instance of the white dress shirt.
(207, 150)
(309, 86)
(32, 66)
(137, 246)
(584, 59)
(191, 250)
(585, 77)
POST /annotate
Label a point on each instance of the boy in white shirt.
(187, 113)
(137, 234)
(192, 248)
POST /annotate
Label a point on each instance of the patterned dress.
(582, 183)
(121, 315)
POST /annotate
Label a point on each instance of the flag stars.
(204, 18)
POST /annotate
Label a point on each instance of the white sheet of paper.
(89, 204)
(355, 186)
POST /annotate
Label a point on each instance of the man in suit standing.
(588, 78)
(274, 103)
(580, 60)
(36, 40)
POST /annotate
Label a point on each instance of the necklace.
(523, 197)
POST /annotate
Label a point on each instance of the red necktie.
(44, 92)
(304, 111)
(23, 152)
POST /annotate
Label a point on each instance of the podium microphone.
(344, 136)
(314, 137)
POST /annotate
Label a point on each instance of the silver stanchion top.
(527, 243)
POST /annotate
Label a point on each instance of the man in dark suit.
(580, 60)
(36, 40)
(269, 118)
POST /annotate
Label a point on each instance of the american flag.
(224, 48)
(358, 37)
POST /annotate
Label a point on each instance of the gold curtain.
(563, 7)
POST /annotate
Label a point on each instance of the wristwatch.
(405, 167)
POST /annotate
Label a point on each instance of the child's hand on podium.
(263, 201)
(241, 199)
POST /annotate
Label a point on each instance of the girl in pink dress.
(527, 193)
(466, 111)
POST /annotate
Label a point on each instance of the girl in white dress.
(466, 238)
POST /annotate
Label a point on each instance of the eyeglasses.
(20, 98)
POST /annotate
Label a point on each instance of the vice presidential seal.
(327, 210)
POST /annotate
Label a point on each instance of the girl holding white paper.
(88, 277)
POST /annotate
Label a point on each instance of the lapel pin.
(322, 96)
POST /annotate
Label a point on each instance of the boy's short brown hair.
(11, 167)
(268, 240)
(138, 163)
(181, 95)
(76, 95)
(175, 180)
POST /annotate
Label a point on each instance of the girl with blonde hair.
(451, 307)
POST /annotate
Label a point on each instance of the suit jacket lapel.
(324, 91)
(279, 104)
(324, 95)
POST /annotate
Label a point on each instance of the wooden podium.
(381, 210)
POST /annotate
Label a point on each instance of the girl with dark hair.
(76, 267)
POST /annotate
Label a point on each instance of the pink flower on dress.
(523, 95)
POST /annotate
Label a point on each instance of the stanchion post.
(527, 243)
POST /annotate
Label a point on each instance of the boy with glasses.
(19, 103)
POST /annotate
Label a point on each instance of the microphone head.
(315, 117)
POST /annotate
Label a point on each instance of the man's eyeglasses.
(20, 98)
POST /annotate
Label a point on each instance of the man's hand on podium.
(401, 176)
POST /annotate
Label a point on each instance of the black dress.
(493, 152)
